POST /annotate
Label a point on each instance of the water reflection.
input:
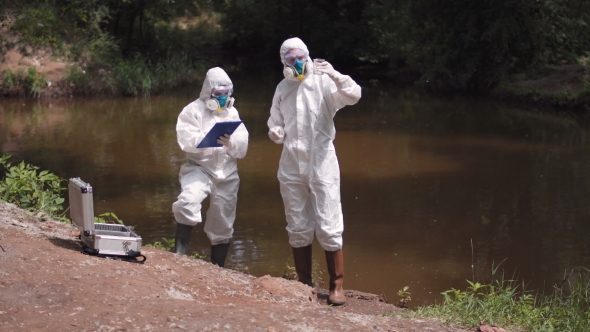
(434, 190)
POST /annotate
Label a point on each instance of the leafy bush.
(13, 82)
(29, 189)
(77, 77)
(104, 50)
(8, 79)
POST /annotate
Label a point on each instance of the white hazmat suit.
(301, 118)
(209, 171)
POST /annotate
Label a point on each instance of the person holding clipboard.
(211, 133)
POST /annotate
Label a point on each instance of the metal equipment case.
(99, 238)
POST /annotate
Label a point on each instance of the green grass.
(506, 303)
(134, 77)
(22, 82)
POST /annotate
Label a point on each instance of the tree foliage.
(125, 46)
(460, 44)
(335, 28)
(132, 24)
(475, 44)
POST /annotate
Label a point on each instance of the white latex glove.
(225, 140)
(326, 67)
(276, 134)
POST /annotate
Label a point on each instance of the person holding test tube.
(302, 119)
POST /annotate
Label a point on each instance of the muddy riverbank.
(47, 284)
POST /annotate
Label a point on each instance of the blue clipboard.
(219, 129)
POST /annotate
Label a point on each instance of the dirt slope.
(46, 284)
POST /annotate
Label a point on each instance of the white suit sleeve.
(345, 91)
(239, 140)
(275, 122)
(188, 130)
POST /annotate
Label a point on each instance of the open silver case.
(99, 238)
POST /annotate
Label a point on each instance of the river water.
(435, 190)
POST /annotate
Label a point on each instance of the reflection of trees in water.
(522, 194)
(482, 264)
(549, 211)
(560, 203)
(410, 112)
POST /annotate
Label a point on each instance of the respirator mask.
(296, 65)
(221, 98)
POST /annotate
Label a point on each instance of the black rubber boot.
(219, 253)
(183, 236)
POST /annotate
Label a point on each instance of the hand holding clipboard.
(219, 129)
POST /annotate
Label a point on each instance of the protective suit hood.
(215, 76)
(290, 44)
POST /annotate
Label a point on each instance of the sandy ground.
(17, 58)
(42, 61)
(47, 284)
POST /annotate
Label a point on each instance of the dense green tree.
(334, 29)
(474, 44)
(132, 25)
(52, 23)
(458, 44)
(141, 44)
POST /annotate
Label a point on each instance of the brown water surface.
(434, 190)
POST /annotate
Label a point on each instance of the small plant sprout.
(404, 297)
(198, 256)
(108, 218)
(290, 273)
(166, 244)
